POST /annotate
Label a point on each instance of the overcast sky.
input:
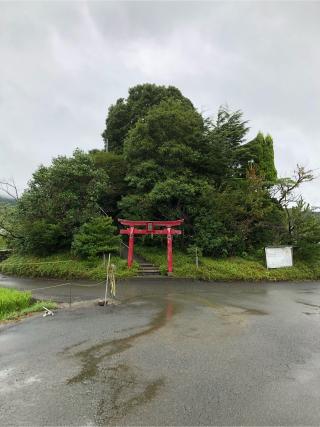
(63, 63)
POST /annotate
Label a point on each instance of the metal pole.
(69, 295)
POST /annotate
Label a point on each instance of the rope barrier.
(61, 284)
(35, 263)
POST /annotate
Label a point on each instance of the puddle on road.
(308, 304)
(124, 389)
(311, 306)
(92, 356)
(129, 390)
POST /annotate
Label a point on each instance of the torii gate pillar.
(131, 245)
(169, 250)
(151, 227)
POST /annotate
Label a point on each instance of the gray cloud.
(64, 63)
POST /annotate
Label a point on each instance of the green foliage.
(223, 135)
(14, 304)
(64, 266)
(3, 244)
(164, 153)
(12, 300)
(96, 237)
(305, 232)
(115, 166)
(8, 223)
(60, 198)
(165, 161)
(123, 116)
(226, 269)
(6, 201)
(257, 153)
(167, 143)
(239, 219)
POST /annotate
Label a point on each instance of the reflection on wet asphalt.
(173, 353)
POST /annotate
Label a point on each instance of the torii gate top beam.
(150, 227)
(132, 223)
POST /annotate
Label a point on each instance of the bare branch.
(286, 187)
(10, 189)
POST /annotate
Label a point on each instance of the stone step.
(149, 275)
(149, 271)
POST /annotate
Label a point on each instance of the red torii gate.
(150, 227)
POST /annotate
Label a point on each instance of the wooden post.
(107, 281)
(131, 244)
(197, 258)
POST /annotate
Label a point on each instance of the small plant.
(96, 237)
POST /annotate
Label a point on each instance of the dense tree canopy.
(126, 112)
(258, 152)
(164, 160)
(60, 198)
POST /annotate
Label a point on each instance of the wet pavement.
(173, 353)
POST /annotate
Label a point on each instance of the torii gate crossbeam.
(150, 227)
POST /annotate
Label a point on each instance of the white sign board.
(279, 257)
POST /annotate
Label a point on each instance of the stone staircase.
(148, 269)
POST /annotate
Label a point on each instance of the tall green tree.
(165, 153)
(60, 198)
(224, 135)
(239, 219)
(124, 114)
(258, 152)
(305, 231)
(115, 166)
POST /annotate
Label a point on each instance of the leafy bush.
(96, 237)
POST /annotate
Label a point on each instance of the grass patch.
(14, 304)
(226, 269)
(63, 266)
(3, 244)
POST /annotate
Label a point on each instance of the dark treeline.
(164, 160)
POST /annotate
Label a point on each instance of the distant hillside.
(6, 200)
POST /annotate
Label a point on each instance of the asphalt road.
(173, 353)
